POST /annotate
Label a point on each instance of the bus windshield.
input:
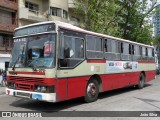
(36, 51)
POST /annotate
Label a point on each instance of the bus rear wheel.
(141, 81)
(92, 91)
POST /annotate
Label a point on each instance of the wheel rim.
(91, 90)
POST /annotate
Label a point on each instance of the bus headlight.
(11, 85)
(44, 89)
(38, 89)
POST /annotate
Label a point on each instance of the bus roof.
(75, 28)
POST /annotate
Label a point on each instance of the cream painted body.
(49, 73)
(99, 68)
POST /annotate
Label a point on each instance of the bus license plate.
(37, 96)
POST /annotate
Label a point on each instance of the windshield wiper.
(13, 68)
(33, 68)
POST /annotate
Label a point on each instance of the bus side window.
(153, 53)
(94, 47)
(121, 47)
(133, 50)
(65, 50)
(146, 54)
(71, 51)
(105, 46)
(140, 50)
(130, 49)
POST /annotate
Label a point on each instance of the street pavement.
(2, 90)
(125, 99)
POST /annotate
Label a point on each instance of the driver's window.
(71, 51)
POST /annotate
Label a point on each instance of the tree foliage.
(128, 19)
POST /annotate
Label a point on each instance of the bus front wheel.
(92, 91)
(141, 81)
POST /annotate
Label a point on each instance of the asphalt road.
(125, 99)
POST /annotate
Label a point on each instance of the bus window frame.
(59, 48)
(102, 47)
(111, 51)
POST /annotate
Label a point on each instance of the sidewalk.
(2, 90)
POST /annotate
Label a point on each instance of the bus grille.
(25, 79)
(23, 86)
(25, 83)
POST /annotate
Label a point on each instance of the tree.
(96, 13)
(128, 19)
(136, 25)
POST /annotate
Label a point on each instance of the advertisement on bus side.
(119, 66)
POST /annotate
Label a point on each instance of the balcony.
(36, 16)
(5, 50)
(9, 4)
(57, 18)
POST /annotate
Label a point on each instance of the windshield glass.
(34, 51)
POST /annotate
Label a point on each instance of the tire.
(92, 91)
(141, 81)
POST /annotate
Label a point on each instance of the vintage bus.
(55, 61)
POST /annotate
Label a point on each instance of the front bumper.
(48, 97)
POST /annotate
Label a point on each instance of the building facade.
(32, 11)
(16, 13)
(8, 22)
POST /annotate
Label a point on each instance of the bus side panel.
(77, 87)
(150, 75)
(115, 81)
(134, 78)
(108, 82)
(124, 79)
(61, 89)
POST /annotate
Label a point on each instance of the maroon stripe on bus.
(96, 61)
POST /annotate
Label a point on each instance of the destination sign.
(35, 29)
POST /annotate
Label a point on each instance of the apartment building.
(32, 11)
(8, 22)
(15, 13)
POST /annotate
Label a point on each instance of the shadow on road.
(120, 91)
(34, 105)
